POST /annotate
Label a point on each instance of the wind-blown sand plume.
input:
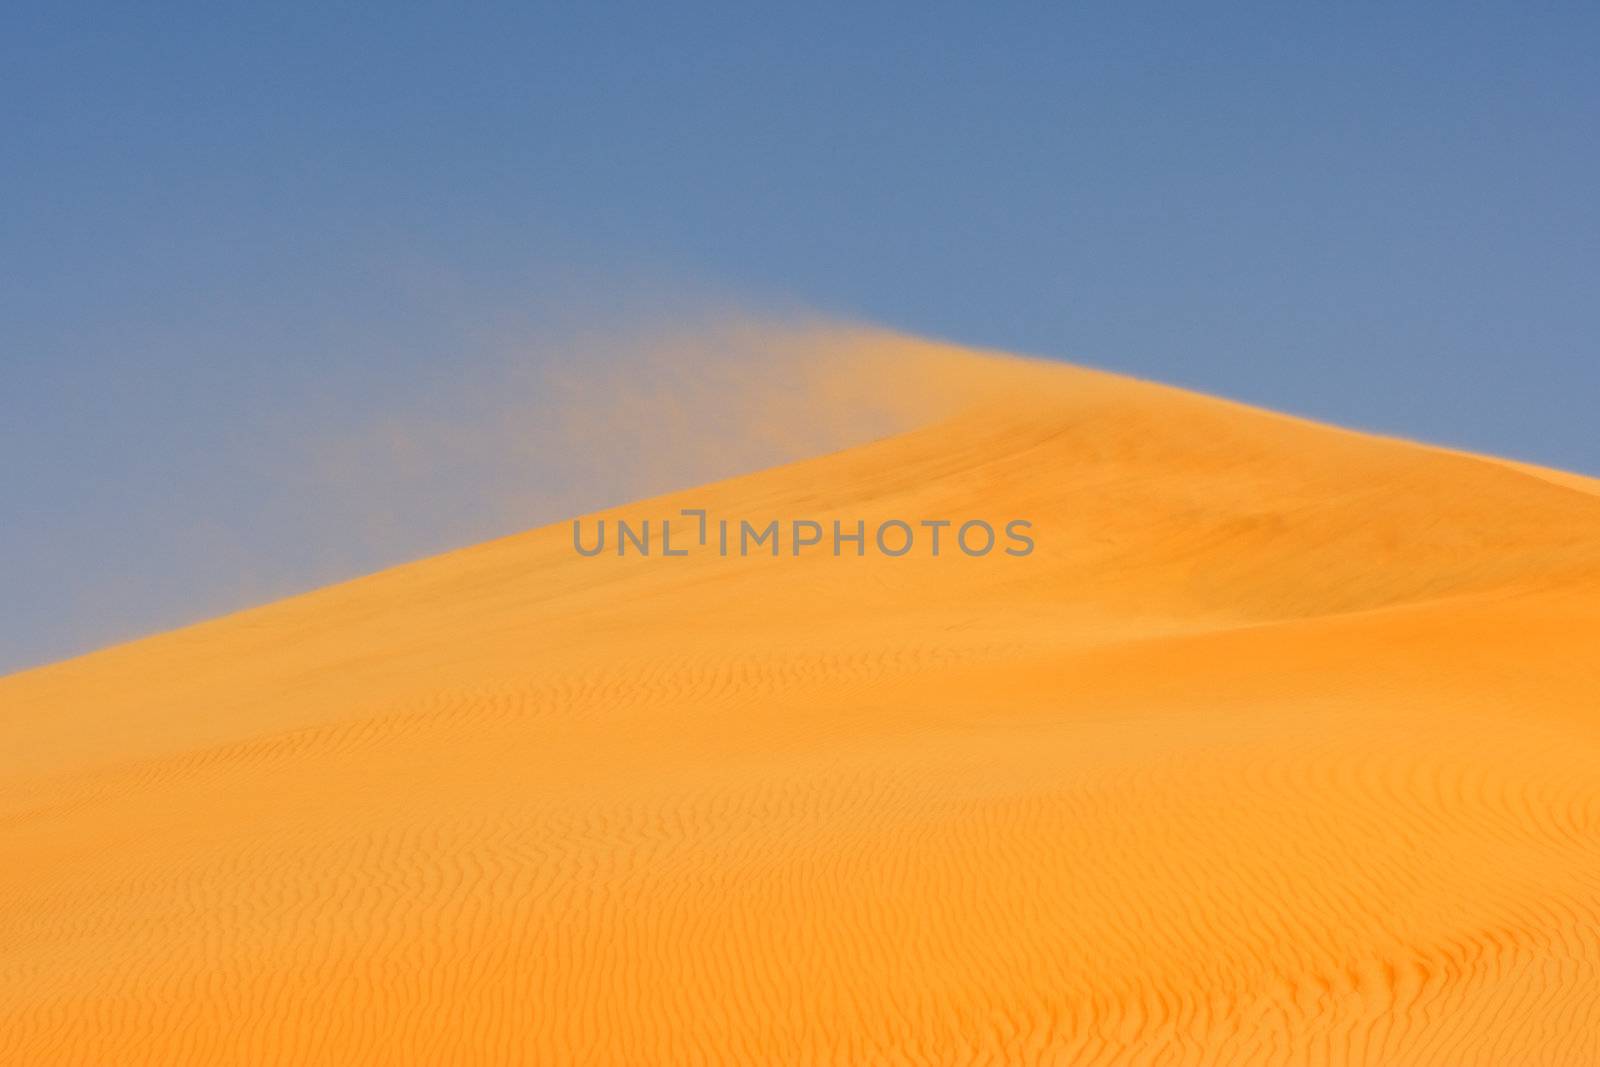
(1280, 748)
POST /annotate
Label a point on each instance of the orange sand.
(1281, 748)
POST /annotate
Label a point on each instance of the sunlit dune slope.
(1281, 747)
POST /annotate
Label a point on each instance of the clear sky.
(227, 226)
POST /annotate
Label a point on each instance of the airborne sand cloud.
(502, 422)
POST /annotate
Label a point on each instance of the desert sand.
(1282, 747)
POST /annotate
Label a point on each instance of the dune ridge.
(1280, 748)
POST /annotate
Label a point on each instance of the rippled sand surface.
(1282, 747)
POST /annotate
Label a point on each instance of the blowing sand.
(1281, 747)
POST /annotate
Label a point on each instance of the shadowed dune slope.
(1282, 747)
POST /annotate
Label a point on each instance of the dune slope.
(1281, 747)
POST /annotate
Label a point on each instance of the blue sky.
(228, 226)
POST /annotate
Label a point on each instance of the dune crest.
(1279, 748)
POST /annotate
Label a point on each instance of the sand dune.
(1280, 748)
